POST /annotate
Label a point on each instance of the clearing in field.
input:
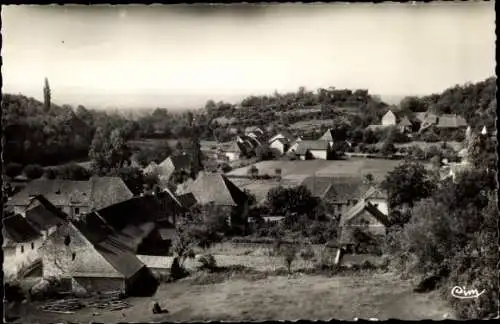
(356, 167)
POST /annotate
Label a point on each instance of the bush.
(208, 262)
(33, 171)
(51, 173)
(13, 169)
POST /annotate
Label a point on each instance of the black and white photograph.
(249, 162)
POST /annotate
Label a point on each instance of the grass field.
(355, 167)
(258, 298)
(457, 146)
(311, 124)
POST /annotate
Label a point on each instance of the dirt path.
(274, 298)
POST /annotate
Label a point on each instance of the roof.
(253, 129)
(375, 192)
(389, 113)
(451, 121)
(97, 192)
(405, 121)
(283, 134)
(173, 163)
(216, 188)
(187, 200)
(167, 233)
(109, 244)
(361, 206)
(151, 168)
(328, 135)
(305, 146)
(139, 210)
(42, 215)
(283, 141)
(18, 229)
(107, 191)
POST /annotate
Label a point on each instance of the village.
(248, 165)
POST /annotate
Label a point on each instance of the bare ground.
(313, 297)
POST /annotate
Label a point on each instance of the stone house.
(313, 150)
(279, 144)
(91, 257)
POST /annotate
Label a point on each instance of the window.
(73, 256)
(22, 249)
(67, 240)
(32, 245)
(77, 210)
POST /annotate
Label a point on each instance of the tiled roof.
(97, 192)
(360, 207)
(305, 146)
(110, 245)
(375, 192)
(216, 188)
(18, 229)
(451, 121)
(43, 215)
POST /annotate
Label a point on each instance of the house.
(451, 121)
(89, 256)
(362, 219)
(313, 150)
(340, 193)
(74, 198)
(216, 189)
(389, 119)
(233, 152)
(280, 144)
(378, 198)
(172, 164)
(21, 242)
(141, 220)
(44, 216)
(284, 134)
(405, 125)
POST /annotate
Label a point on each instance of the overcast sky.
(180, 56)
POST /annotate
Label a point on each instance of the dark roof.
(216, 188)
(364, 206)
(18, 229)
(109, 244)
(97, 192)
(140, 210)
(187, 200)
(451, 121)
(43, 215)
(305, 146)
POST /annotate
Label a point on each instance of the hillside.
(33, 135)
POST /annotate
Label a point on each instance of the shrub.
(51, 173)
(33, 171)
(13, 169)
(208, 262)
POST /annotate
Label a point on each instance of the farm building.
(21, 242)
(451, 121)
(89, 256)
(74, 198)
(254, 129)
(307, 150)
(143, 219)
(216, 189)
(363, 219)
(44, 216)
(284, 134)
(389, 119)
(378, 198)
(174, 163)
(233, 152)
(280, 144)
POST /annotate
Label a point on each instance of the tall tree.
(195, 147)
(46, 95)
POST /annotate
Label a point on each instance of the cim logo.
(463, 293)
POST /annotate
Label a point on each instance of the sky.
(179, 56)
